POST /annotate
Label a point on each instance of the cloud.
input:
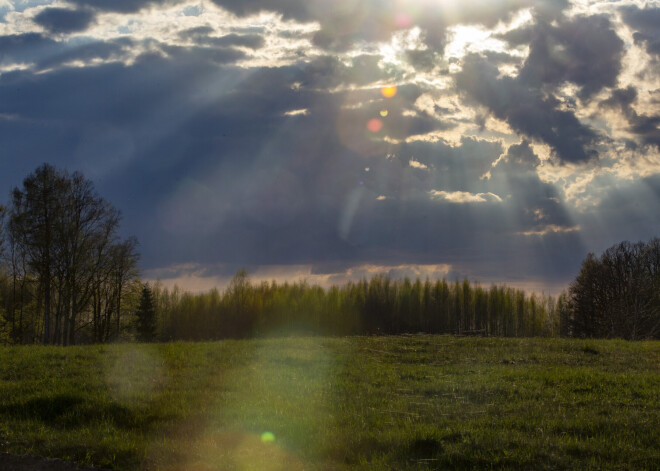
(203, 35)
(537, 205)
(64, 20)
(219, 157)
(644, 21)
(584, 50)
(464, 197)
(343, 24)
(458, 167)
(646, 127)
(416, 164)
(121, 6)
(27, 47)
(301, 112)
(550, 229)
(527, 110)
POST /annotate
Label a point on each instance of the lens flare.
(267, 437)
(403, 21)
(374, 125)
(389, 91)
(384, 113)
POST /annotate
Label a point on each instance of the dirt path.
(30, 463)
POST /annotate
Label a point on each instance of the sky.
(498, 140)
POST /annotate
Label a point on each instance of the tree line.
(67, 277)
(616, 295)
(377, 306)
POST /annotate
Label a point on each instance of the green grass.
(401, 403)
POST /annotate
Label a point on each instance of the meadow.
(320, 403)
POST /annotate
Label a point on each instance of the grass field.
(376, 403)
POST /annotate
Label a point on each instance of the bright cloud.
(464, 197)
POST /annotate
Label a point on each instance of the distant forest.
(66, 277)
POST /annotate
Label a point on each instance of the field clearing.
(315, 403)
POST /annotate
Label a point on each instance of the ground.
(31, 463)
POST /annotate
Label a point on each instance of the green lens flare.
(267, 437)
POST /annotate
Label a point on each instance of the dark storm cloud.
(87, 51)
(621, 99)
(646, 127)
(527, 110)
(518, 37)
(291, 196)
(212, 163)
(454, 168)
(196, 34)
(153, 116)
(203, 36)
(300, 10)
(251, 41)
(537, 204)
(64, 20)
(628, 210)
(212, 55)
(644, 21)
(28, 47)
(534, 204)
(121, 6)
(479, 236)
(329, 72)
(584, 50)
(423, 60)
(43, 53)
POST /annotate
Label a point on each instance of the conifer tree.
(146, 316)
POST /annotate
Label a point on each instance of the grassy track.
(337, 403)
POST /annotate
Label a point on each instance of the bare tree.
(3, 218)
(616, 295)
(35, 210)
(68, 234)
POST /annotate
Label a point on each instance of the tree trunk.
(72, 319)
(46, 288)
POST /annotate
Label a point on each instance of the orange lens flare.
(388, 92)
(374, 125)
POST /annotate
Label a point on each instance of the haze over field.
(500, 140)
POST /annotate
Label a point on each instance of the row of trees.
(67, 273)
(616, 294)
(67, 277)
(377, 306)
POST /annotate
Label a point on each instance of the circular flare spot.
(384, 113)
(403, 21)
(388, 92)
(374, 125)
(267, 437)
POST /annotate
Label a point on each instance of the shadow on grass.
(70, 410)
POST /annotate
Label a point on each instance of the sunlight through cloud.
(464, 197)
